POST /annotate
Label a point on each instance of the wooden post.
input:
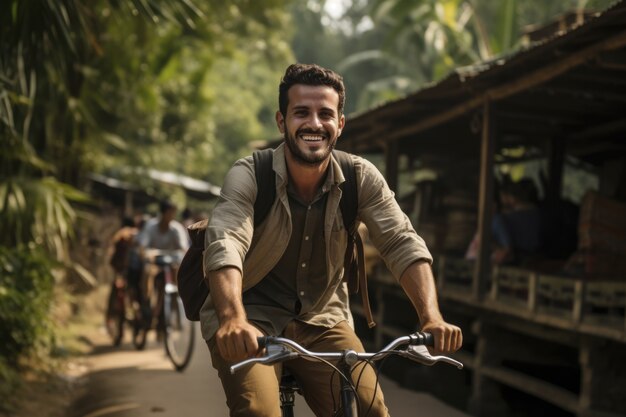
(533, 283)
(441, 273)
(485, 202)
(391, 164)
(486, 399)
(603, 378)
(579, 301)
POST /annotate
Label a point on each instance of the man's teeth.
(312, 138)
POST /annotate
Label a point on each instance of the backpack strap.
(266, 184)
(354, 261)
(349, 202)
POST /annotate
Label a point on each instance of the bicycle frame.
(280, 349)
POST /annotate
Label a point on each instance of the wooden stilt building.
(544, 338)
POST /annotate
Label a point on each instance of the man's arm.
(236, 337)
(419, 285)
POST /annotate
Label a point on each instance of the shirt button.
(306, 238)
(303, 264)
(301, 292)
(308, 208)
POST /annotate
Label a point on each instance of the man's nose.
(315, 122)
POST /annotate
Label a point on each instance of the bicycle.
(123, 308)
(279, 349)
(166, 311)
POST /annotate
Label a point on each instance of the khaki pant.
(254, 391)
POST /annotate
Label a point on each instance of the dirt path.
(123, 382)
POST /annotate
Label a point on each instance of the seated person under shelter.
(516, 226)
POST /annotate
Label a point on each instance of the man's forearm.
(235, 338)
(419, 285)
(226, 290)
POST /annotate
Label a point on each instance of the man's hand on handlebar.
(448, 337)
(236, 340)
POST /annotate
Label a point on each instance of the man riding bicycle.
(285, 277)
(160, 235)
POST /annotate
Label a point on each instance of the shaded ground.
(123, 382)
(127, 383)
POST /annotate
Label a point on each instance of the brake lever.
(420, 354)
(274, 354)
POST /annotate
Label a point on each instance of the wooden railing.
(590, 307)
(573, 306)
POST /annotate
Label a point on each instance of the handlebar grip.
(422, 338)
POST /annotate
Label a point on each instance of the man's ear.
(340, 126)
(280, 122)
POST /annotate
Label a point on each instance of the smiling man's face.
(311, 124)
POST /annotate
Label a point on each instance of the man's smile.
(312, 138)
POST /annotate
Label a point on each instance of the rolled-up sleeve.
(230, 227)
(389, 228)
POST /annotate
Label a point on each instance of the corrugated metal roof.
(570, 80)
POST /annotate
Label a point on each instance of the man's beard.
(302, 157)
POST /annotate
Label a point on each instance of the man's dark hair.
(128, 222)
(166, 205)
(309, 74)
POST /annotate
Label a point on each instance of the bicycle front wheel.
(179, 332)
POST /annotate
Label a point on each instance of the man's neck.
(163, 225)
(306, 179)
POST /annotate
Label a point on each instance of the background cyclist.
(162, 234)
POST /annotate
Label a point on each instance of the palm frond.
(38, 210)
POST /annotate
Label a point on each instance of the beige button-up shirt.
(232, 240)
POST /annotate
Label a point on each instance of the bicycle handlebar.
(162, 257)
(280, 349)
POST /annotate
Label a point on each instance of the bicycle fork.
(348, 399)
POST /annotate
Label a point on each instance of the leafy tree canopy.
(388, 48)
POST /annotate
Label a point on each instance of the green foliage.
(393, 47)
(37, 211)
(9, 383)
(170, 97)
(130, 83)
(92, 87)
(107, 84)
(26, 290)
(352, 48)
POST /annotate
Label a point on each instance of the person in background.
(518, 228)
(121, 247)
(121, 244)
(164, 232)
(162, 235)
